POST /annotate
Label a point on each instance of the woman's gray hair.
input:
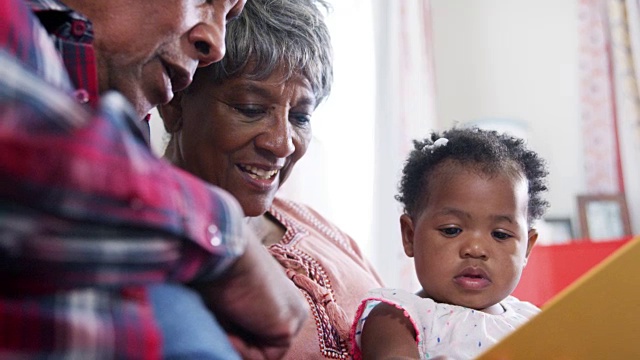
(270, 34)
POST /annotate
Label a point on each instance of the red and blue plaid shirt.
(88, 215)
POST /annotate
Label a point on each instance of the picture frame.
(557, 230)
(603, 217)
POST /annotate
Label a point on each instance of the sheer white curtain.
(381, 100)
(335, 176)
(405, 110)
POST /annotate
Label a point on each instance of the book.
(596, 317)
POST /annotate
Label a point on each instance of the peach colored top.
(328, 267)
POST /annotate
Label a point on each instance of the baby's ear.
(532, 238)
(171, 114)
(407, 230)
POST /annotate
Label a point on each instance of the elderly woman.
(243, 124)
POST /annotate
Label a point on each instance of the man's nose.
(208, 40)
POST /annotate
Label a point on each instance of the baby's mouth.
(473, 274)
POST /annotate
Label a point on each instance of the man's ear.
(407, 230)
(171, 114)
(532, 238)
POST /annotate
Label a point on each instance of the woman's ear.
(171, 114)
(406, 228)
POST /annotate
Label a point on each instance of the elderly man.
(95, 232)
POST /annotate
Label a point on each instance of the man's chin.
(142, 108)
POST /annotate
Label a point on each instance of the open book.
(597, 317)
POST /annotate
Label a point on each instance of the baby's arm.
(388, 334)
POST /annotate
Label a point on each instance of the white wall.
(336, 175)
(515, 59)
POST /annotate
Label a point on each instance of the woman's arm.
(388, 334)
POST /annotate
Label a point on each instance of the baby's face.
(471, 241)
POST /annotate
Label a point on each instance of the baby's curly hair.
(484, 150)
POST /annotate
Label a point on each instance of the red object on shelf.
(551, 268)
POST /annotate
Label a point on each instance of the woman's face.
(246, 135)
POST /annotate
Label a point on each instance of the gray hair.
(270, 34)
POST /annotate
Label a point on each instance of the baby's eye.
(500, 235)
(450, 231)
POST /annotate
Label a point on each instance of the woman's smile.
(261, 178)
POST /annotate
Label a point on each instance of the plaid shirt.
(88, 216)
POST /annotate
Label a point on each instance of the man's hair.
(486, 151)
(273, 34)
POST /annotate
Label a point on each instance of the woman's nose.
(277, 136)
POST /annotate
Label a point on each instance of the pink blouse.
(328, 267)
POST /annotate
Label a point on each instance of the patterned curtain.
(609, 54)
(405, 109)
(601, 161)
(624, 29)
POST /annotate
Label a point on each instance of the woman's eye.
(450, 232)
(250, 111)
(500, 235)
(301, 119)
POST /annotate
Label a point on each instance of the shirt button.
(134, 293)
(215, 239)
(82, 96)
(78, 28)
